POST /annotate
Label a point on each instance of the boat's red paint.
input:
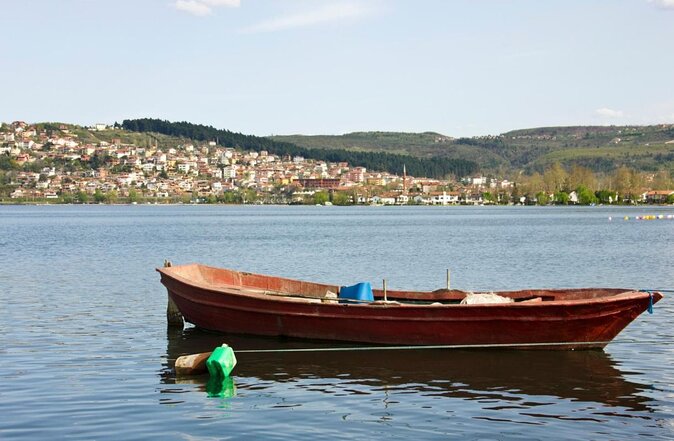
(231, 301)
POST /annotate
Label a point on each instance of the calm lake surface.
(85, 352)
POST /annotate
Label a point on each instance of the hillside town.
(52, 164)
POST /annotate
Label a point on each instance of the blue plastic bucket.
(360, 291)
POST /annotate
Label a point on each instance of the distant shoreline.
(130, 204)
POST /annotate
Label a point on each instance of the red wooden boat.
(238, 302)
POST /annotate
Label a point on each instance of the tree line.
(621, 185)
(435, 167)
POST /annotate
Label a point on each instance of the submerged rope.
(398, 348)
(485, 346)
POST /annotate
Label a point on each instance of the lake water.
(85, 352)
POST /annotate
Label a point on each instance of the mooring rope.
(650, 296)
(399, 348)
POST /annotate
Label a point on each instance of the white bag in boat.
(484, 298)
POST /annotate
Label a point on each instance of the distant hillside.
(86, 135)
(420, 144)
(378, 160)
(424, 145)
(600, 148)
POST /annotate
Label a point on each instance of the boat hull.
(572, 323)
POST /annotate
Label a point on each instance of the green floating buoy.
(221, 362)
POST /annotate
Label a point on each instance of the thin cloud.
(663, 4)
(193, 7)
(201, 8)
(609, 113)
(329, 13)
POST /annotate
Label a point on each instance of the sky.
(263, 67)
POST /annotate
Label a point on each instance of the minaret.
(404, 179)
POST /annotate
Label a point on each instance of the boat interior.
(249, 283)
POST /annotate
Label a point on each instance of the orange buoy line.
(648, 217)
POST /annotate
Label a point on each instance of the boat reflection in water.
(587, 376)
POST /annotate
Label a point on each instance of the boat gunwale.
(283, 298)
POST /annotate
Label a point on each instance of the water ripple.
(85, 353)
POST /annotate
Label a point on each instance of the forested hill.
(434, 167)
(600, 148)
(417, 144)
